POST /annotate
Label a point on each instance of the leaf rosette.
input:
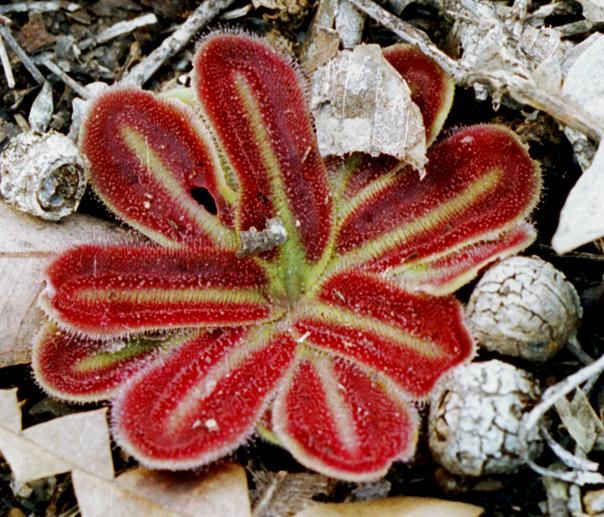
(328, 339)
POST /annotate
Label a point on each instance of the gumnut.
(475, 418)
(524, 307)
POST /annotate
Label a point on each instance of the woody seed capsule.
(475, 418)
(524, 307)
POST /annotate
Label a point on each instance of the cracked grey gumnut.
(475, 417)
(524, 307)
(43, 174)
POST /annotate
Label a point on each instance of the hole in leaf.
(204, 198)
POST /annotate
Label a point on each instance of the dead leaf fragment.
(582, 216)
(80, 444)
(27, 245)
(593, 10)
(33, 36)
(221, 492)
(584, 83)
(79, 441)
(279, 494)
(594, 502)
(361, 104)
(323, 41)
(394, 507)
(580, 420)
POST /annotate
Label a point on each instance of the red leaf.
(84, 369)
(401, 335)
(146, 157)
(336, 419)
(446, 272)
(122, 289)
(254, 101)
(203, 400)
(480, 182)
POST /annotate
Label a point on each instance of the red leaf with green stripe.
(84, 369)
(118, 290)
(337, 419)
(147, 156)
(480, 183)
(254, 102)
(203, 400)
(378, 325)
(326, 337)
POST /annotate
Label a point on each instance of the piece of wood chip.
(361, 104)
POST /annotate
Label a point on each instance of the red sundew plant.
(330, 336)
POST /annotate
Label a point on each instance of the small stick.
(8, 70)
(17, 49)
(549, 398)
(569, 459)
(118, 29)
(206, 11)
(254, 242)
(58, 71)
(575, 348)
(410, 34)
(25, 7)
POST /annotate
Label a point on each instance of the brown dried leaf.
(220, 492)
(33, 36)
(394, 507)
(27, 245)
(80, 444)
(78, 441)
(580, 420)
(322, 41)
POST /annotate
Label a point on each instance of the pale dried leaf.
(582, 216)
(361, 104)
(594, 502)
(573, 53)
(74, 441)
(27, 245)
(9, 410)
(80, 444)
(394, 507)
(584, 83)
(349, 24)
(580, 420)
(220, 492)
